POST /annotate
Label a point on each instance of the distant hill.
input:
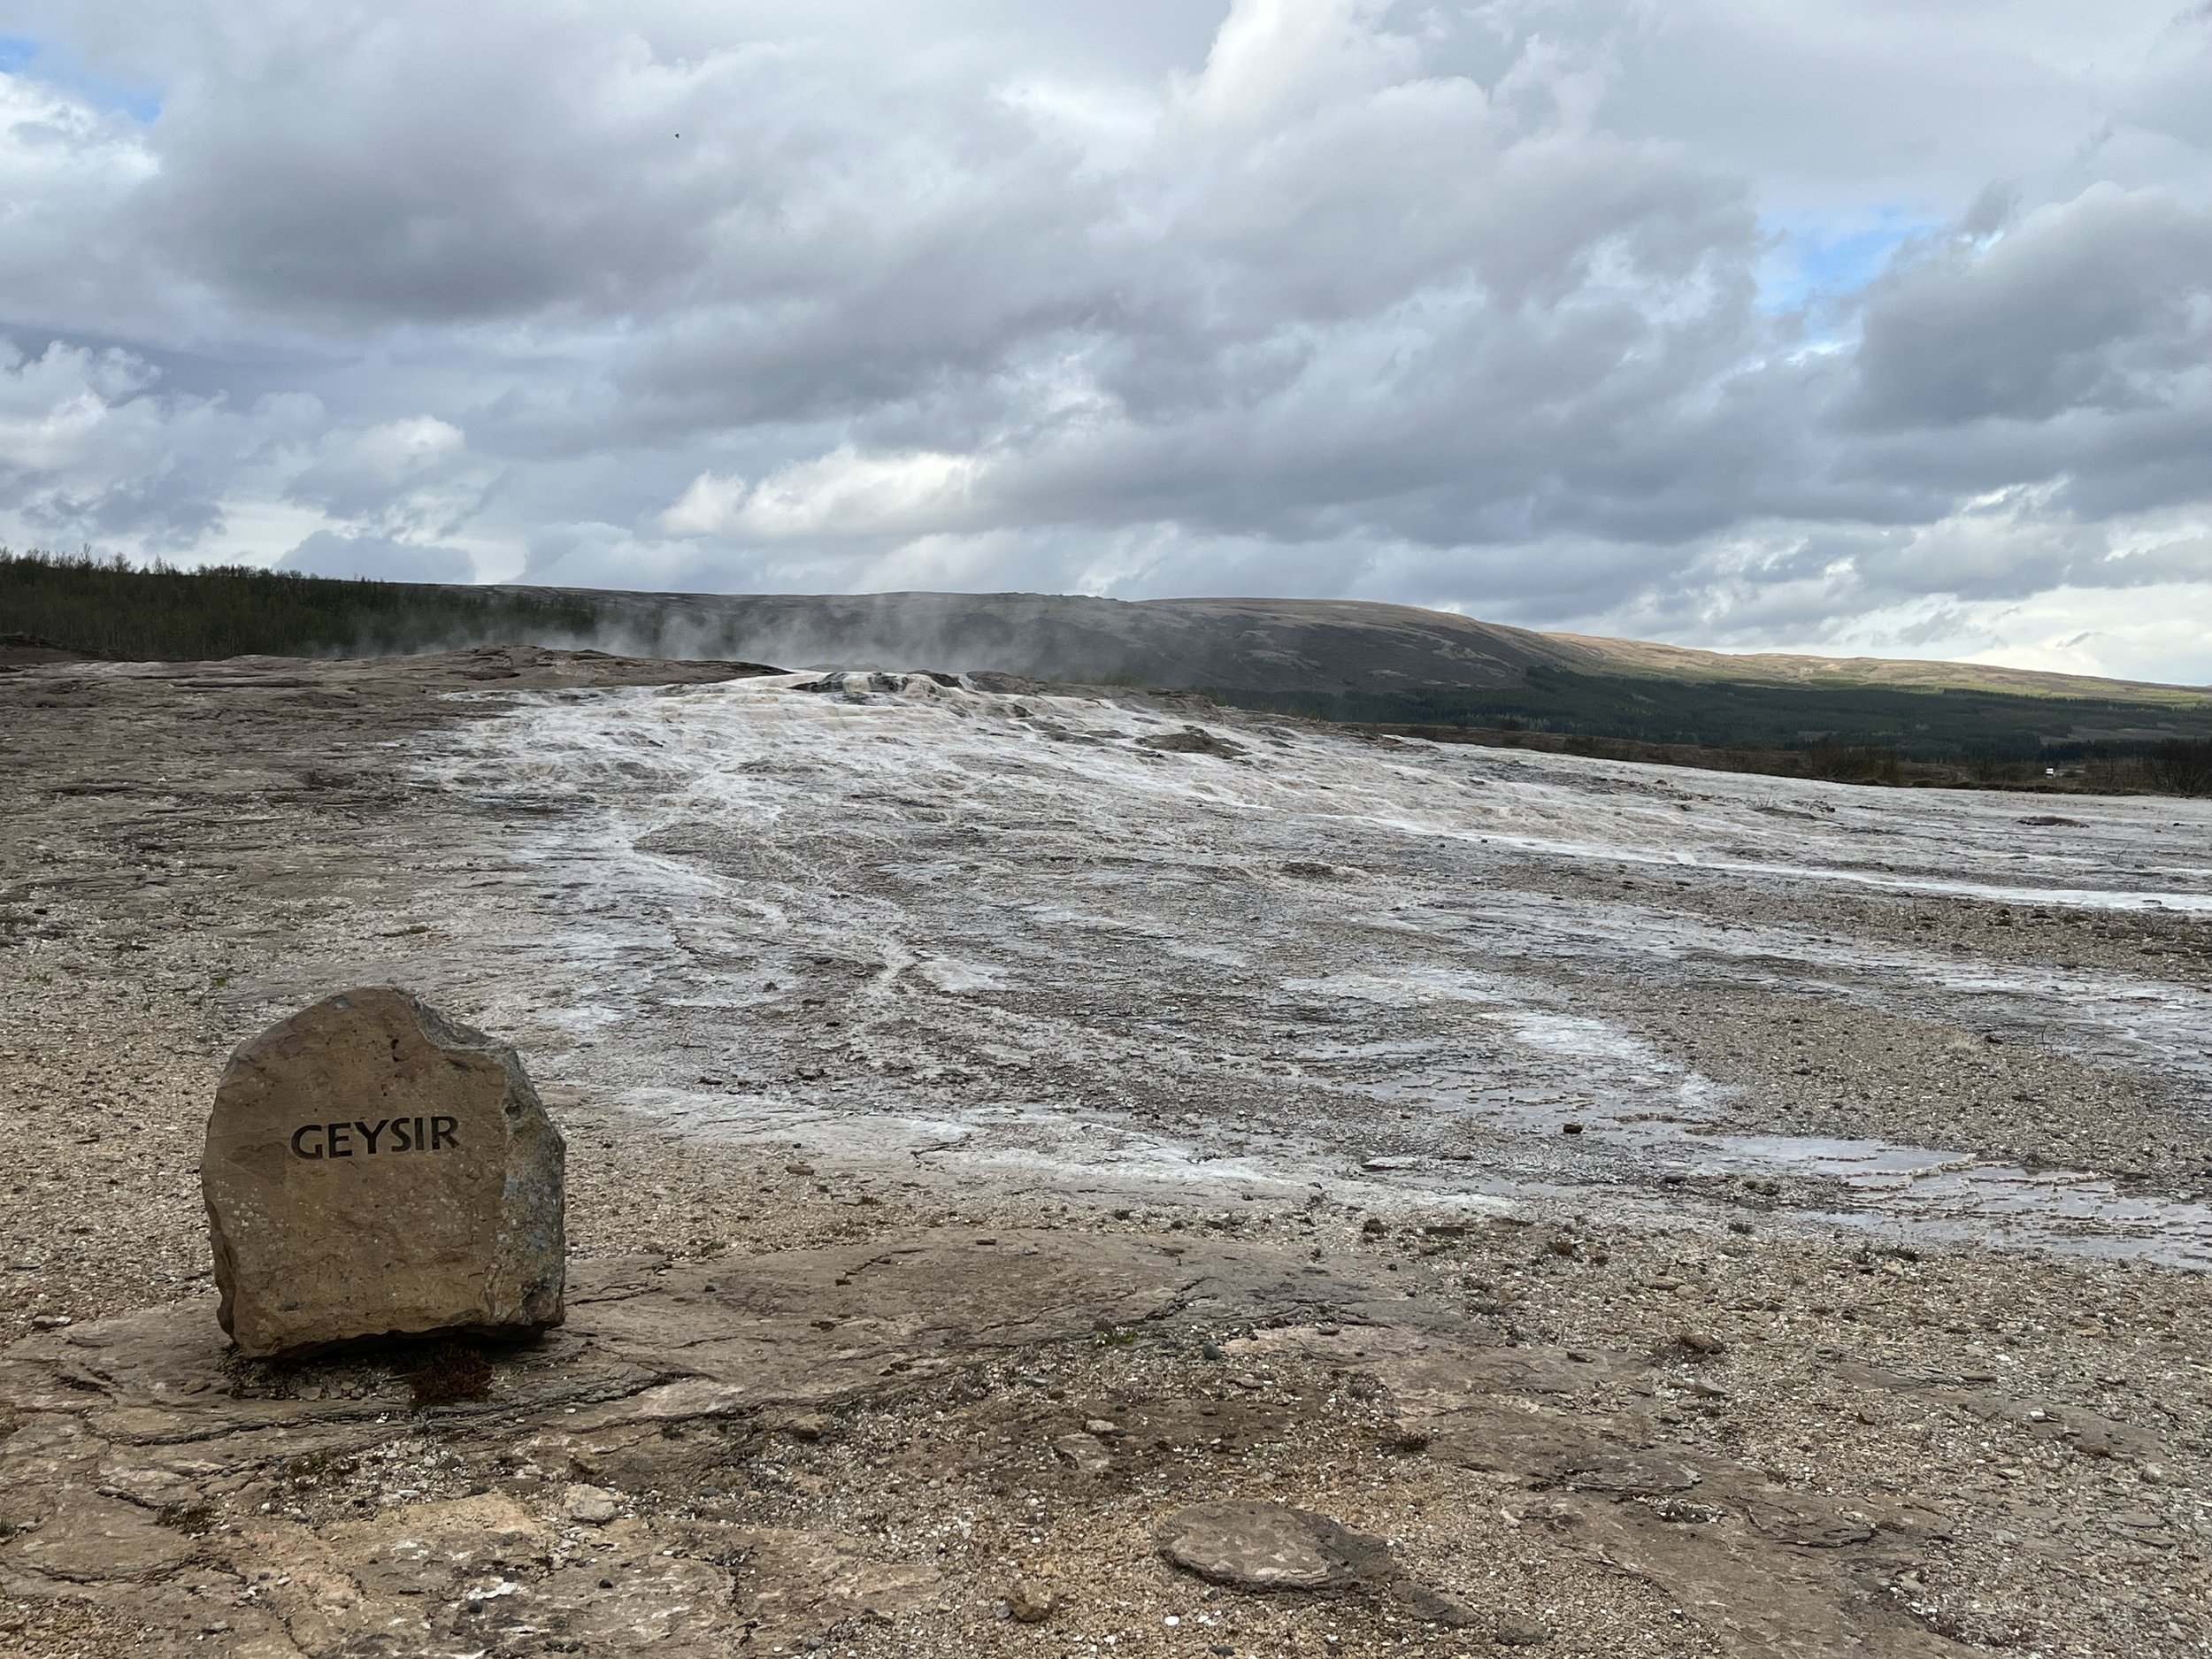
(1335, 660)
(1253, 644)
(1290, 645)
(1351, 659)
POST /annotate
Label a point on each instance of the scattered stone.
(1029, 1602)
(593, 1506)
(1682, 1512)
(1085, 1452)
(1252, 1544)
(1435, 1607)
(1517, 1632)
(374, 1170)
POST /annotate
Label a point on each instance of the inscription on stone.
(374, 1170)
(407, 1134)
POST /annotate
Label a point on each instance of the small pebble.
(1029, 1602)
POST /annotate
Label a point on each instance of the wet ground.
(1013, 934)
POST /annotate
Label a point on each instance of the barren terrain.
(1679, 1214)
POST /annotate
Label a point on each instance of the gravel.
(2012, 1446)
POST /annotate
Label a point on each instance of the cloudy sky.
(1839, 325)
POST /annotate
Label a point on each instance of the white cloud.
(52, 408)
(1458, 305)
(88, 447)
(412, 479)
(840, 494)
(398, 447)
(712, 506)
(68, 172)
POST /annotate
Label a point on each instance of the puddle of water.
(1921, 1192)
(1810, 1156)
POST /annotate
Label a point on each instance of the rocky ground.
(1005, 1129)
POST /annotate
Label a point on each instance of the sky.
(1854, 326)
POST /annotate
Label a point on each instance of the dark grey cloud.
(1456, 304)
(2099, 305)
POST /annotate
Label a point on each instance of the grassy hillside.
(1937, 721)
(1644, 659)
(1329, 659)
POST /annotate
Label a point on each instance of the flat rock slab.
(1253, 1545)
(1250, 1544)
(374, 1170)
(90, 1538)
(592, 1502)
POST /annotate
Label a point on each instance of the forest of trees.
(111, 609)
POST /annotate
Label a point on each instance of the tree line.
(110, 608)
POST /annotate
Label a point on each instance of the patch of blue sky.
(1814, 266)
(19, 55)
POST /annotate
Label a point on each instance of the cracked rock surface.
(629, 1481)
